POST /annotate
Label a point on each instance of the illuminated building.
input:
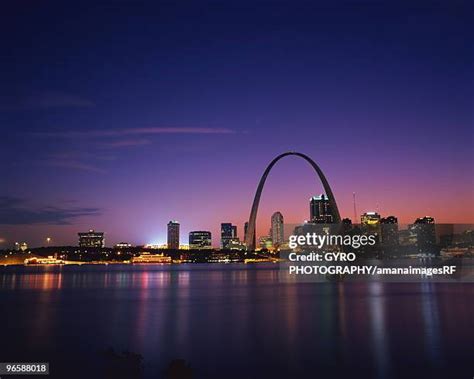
(173, 235)
(23, 246)
(45, 261)
(370, 220)
(265, 242)
(91, 239)
(156, 246)
(235, 244)
(228, 234)
(320, 210)
(146, 257)
(200, 240)
(276, 231)
(123, 245)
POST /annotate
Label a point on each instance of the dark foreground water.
(234, 321)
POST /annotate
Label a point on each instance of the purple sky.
(122, 117)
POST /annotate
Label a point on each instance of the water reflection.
(241, 317)
(42, 281)
(379, 332)
(431, 322)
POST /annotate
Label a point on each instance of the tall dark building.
(425, 220)
(425, 232)
(173, 235)
(91, 239)
(320, 210)
(228, 234)
(346, 225)
(389, 231)
(200, 240)
(276, 231)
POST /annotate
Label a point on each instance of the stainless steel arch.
(250, 238)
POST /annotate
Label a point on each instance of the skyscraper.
(370, 222)
(91, 239)
(228, 233)
(424, 229)
(389, 231)
(320, 210)
(370, 219)
(200, 240)
(277, 229)
(425, 220)
(173, 235)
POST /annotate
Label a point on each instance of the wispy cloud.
(75, 165)
(42, 100)
(16, 211)
(126, 143)
(136, 132)
(110, 139)
(81, 161)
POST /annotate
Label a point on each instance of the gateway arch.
(250, 238)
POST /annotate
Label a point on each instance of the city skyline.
(181, 238)
(228, 232)
(176, 117)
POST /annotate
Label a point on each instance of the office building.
(123, 245)
(276, 231)
(173, 235)
(200, 240)
(91, 239)
(389, 231)
(228, 234)
(425, 232)
(265, 243)
(370, 220)
(320, 210)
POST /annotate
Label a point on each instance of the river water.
(233, 321)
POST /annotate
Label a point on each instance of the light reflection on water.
(232, 320)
